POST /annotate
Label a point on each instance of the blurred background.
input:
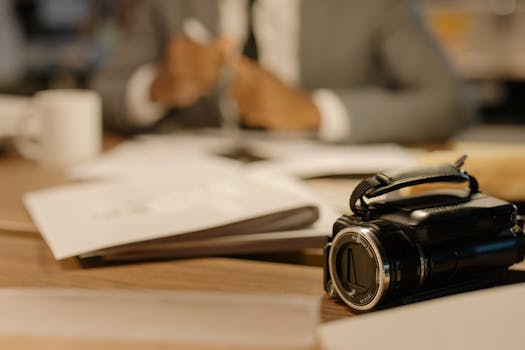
(61, 43)
(57, 43)
(484, 41)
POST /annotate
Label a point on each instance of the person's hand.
(265, 101)
(189, 71)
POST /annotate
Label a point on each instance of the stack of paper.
(174, 196)
(202, 209)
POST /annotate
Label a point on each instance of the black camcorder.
(402, 250)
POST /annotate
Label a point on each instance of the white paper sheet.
(482, 320)
(291, 155)
(81, 218)
(191, 318)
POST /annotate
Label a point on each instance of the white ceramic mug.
(62, 128)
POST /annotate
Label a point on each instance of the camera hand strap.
(396, 179)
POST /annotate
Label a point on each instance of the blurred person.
(12, 46)
(348, 70)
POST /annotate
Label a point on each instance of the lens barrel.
(366, 264)
(372, 264)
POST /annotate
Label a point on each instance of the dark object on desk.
(241, 153)
(419, 247)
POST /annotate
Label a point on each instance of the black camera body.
(417, 247)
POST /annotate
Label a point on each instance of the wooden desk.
(26, 261)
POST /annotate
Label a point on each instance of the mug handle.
(27, 144)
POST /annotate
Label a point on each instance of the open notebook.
(200, 209)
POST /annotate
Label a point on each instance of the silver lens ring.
(423, 271)
(366, 238)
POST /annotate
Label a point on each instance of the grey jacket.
(375, 54)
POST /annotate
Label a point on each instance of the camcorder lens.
(364, 275)
(357, 268)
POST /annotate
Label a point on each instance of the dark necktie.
(250, 47)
